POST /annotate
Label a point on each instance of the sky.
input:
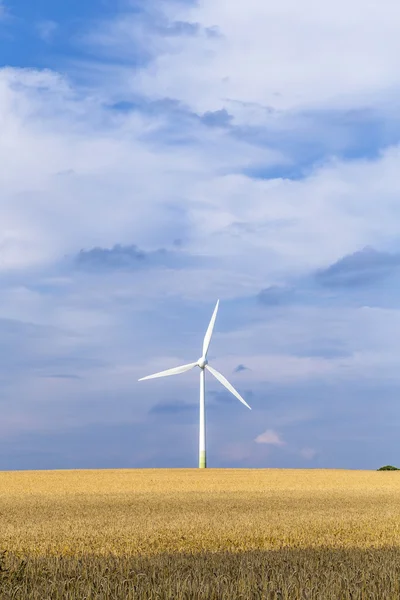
(156, 156)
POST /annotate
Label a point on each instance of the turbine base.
(202, 460)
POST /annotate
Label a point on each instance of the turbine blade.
(226, 383)
(207, 337)
(174, 371)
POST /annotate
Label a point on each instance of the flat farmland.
(214, 533)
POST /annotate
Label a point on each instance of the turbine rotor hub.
(202, 362)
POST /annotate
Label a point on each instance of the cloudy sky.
(158, 155)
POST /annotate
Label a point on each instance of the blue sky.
(157, 156)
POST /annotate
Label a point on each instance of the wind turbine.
(202, 363)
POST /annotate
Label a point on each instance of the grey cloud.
(213, 32)
(180, 115)
(182, 28)
(364, 267)
(121, 257)
(217, 118)
(187, 28)
(184, 117)
(240, 368)
(114, 258)
(275, 295)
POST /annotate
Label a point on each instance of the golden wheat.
(153, 514)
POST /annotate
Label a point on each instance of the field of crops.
(206, 534)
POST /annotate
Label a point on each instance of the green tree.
(388, 468)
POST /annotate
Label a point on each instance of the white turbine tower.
(203, 364)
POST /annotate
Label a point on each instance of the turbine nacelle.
(202, 362)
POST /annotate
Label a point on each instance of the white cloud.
(262, 48)
(77, 174)
(74, 175)
(306, 222)
(269, 437)
(280, 53)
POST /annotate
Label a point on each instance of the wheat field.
(214, 533)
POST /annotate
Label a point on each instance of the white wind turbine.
(203, 364)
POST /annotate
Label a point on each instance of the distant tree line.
(388, 468)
